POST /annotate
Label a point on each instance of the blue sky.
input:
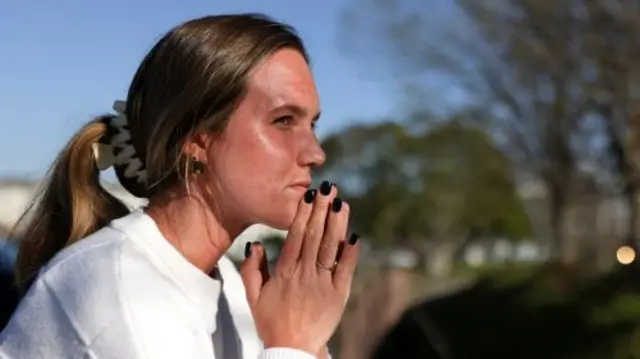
(64, 61)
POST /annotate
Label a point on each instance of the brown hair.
(191, 81)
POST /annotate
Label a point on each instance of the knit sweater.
(125, 292)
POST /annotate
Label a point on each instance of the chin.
(280, 223)
(281, 220)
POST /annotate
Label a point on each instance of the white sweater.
(126, 293)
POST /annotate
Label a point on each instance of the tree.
(517, 59)
(610, 46)
(441, 181)
(373, 166)
(463, 162)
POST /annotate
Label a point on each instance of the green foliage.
(448, 179)
(624, 307)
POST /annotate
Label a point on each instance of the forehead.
(284, 78)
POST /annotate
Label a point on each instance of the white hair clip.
(105, 154)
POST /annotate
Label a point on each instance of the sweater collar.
(200, 289)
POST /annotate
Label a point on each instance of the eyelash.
(286, 121)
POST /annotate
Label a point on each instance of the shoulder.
(86, 273)
(80, 284)
(109, 277)
(69, 303)
(96, 295)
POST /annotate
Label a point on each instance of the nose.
(312, 155)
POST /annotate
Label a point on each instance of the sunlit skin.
(256, 171)
(263, 160)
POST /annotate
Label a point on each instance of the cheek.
(272, 149)
(255, 166)
(265, 157)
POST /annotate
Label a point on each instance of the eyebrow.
(297, 110)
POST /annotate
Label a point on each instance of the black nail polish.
(310, 195)
(336, 206)
(325, 187)
(247, 250)
(353, 239)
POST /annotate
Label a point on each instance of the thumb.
(252, 271)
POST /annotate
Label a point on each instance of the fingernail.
(310, 195)
(325, 187)
(353, 239)
(336, 206)
(247, 250)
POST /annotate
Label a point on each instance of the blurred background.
(489, 151)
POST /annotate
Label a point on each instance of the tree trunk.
(632, 233)
(563, 248)
(556, 213)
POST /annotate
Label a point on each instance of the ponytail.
(71, 204)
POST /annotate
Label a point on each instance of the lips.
(302, 184)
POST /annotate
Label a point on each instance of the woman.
(217, 132)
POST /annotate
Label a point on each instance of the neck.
(196, 231)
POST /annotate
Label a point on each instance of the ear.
(197, 146)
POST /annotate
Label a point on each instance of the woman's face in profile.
(262, 162)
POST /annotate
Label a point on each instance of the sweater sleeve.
(284, 353)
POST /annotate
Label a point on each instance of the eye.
(284, 120)
(314, 125)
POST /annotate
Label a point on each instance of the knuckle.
(284, 271)
(327, 250)
(295, 231)
(326, 262)
(329, 243)
(310, 233)
(323, 203)
(309, 271)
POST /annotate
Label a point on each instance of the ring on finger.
(326, 267)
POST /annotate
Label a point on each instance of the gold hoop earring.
(197, 166)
